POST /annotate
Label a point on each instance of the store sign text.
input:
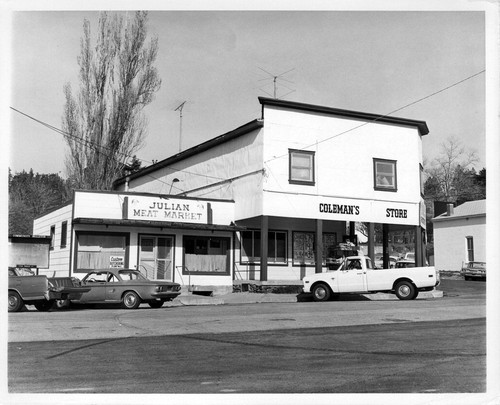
(339, 209)
(396, 213)
(154, 209)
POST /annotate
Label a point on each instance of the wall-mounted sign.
(116, 262)
(341, 209)
(165, 209)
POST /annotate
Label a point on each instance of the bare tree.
(105, 124)
(450, 176)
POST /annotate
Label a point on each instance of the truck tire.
(405, 290)
(15, 301)
(321, 292)
(130, 300)
(44, 305)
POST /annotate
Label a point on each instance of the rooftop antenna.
(275, 79)
(179, 108)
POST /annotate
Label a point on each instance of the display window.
(303, 248)
(206, 255)
(96, 250)
(276, 247)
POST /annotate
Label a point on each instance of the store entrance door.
(156, 256)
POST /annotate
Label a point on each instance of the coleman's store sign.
(165, 209)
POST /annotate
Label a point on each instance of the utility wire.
(91, 144)
(386, 115)
(96, 147)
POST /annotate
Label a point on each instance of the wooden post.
(319, 246)
(264, 236)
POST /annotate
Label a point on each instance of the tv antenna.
(275, 79)
(179, 108)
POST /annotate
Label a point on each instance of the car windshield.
(131, 275)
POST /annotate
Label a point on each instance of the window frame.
(422, 181)
(64, 234)
(377, 187)
(52, 237)
(79, 234)
(300, 264)
(311, 155)
(198, 250)
(469, 245)
(257, 258)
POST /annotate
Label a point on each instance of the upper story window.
(301, 170)
(385, 175)
(422, 180)
(64, 233)
(52, 236)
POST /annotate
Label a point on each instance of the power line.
(96, 147)
(386, 115)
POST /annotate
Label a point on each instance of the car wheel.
(62, 304)
(130, 300)
(321, 292)
(44, 305)
(405, 290)
(156, 304)
(15, 302)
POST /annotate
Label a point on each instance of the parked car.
(472, 270)
(127, 287)
(379, 261)
(26, 288)
(404, 263)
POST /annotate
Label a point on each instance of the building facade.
(460, 236)
(279, 195)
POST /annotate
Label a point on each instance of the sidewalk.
(256, 298)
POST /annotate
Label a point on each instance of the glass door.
(155, 257)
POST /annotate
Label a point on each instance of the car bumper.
(170, 295)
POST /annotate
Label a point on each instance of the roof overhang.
(156, 224)
(386, 119)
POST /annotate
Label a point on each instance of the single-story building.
(460, 235)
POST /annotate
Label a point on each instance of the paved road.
(415, 357)
(337, 347)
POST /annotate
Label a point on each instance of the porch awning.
(156, 224)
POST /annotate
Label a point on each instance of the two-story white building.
(270, 200)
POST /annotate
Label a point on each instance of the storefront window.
(385, 174)
(329, 243)
(276, 247)
(303, 248)
(100, 251)
(206, 255)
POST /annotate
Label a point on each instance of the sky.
(220, 62)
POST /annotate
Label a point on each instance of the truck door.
(352, 277)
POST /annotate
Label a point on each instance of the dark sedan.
(127, 287)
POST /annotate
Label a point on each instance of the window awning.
(156, 224)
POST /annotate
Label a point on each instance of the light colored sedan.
(127, 287)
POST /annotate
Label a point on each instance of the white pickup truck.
(357, 275)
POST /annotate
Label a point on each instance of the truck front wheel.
(321, 292)
(405, 290)
(15, 302)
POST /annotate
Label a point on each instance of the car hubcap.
(404, 290)
(12, 301)
(130, 300)
(320, 293)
